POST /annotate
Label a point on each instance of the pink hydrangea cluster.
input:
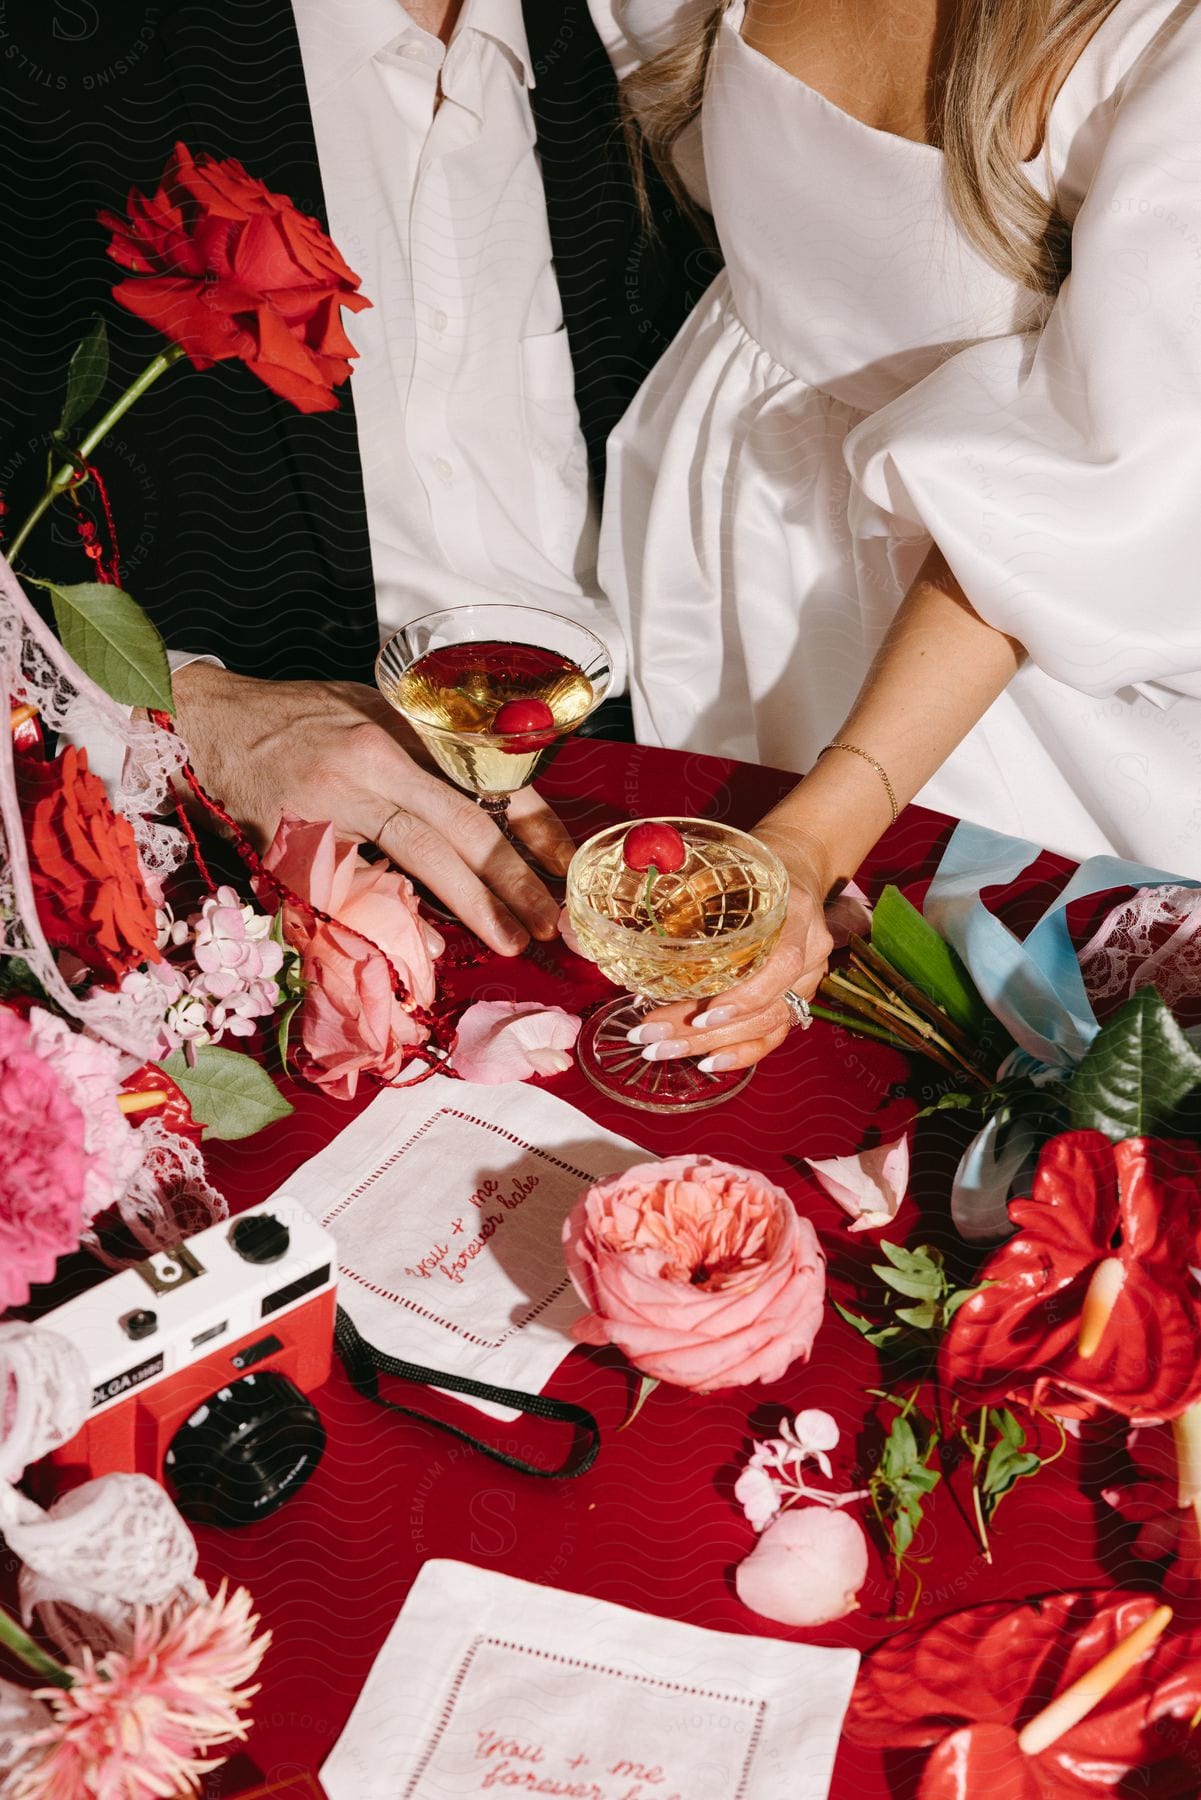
(226, 976)
(43, 1163)
(238, 961)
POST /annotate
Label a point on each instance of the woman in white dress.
(899, 485)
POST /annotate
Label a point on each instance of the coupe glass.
(449, 673)
(689, 935)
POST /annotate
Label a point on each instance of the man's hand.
(337, 751)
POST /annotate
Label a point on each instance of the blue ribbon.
(1034, 987)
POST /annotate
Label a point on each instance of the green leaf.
(953, 1302)
(862, 1325)
(1138, 1075)
(924, 1317)
(230, 1094)
(917, 1287)
(1005, 1467)
(956, 1102)
(914, 1262)
(1005, 1422)
(113, 641)
(87, 373)
(900, 1451)
(916, 951)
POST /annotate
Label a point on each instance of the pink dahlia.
(131, 1725)
(43, 1164)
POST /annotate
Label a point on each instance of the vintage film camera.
(201, 1359)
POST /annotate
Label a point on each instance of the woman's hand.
(737, 1028)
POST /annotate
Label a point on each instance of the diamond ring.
(798, 1011)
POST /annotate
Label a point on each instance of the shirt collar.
(502, 21)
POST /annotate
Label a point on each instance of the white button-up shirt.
(473, 461)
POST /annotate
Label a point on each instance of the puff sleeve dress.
(860, 382)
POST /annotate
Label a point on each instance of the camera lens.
(245, 1451)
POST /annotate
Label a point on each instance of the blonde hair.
(1007, 60)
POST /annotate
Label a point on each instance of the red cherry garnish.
(518, 720)
(651, 845)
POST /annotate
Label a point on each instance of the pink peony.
(43, 1164)
(91, 1073)
(806, 1569)
(510, 1040)
(703, 1274)
(350, 1021)
(869, 1186)
(132, 1725)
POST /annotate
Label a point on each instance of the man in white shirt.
(474, 466)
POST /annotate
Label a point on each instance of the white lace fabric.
(1153, 939)
(101, 1550)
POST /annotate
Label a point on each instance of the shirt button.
(410, 50)
(442, 468)
(440, 320)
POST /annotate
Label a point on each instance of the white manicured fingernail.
(660, 1052)
(717, 1015)
(713, 1065)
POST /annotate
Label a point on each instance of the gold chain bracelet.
(881, 771)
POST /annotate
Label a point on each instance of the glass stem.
(497, 808)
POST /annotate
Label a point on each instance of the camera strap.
(365, 1364)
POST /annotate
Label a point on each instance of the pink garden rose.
(806, 1569)
(350, 1021)
(703, 1274)
(43, 1164)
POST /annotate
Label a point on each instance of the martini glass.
(450, 673)
(683, 935)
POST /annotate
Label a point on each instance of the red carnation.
(225, 268)
(87, 881)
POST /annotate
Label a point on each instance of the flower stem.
(861, 1026)
(67, 476)
(977, 1450)
(22, 1646)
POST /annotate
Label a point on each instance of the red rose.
(84, 862)
(228, 269)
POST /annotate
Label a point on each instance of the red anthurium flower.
(967, 1685)
(1124, 1221)
(172, 1110)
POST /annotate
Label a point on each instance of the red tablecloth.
(654, 1525)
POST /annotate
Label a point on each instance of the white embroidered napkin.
(447, 1202)
(487, 1685)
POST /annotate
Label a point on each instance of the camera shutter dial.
(259, 1238)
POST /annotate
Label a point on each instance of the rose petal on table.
(806, 1569)
(849, 915)
(869, 1186)
(510, 1040)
